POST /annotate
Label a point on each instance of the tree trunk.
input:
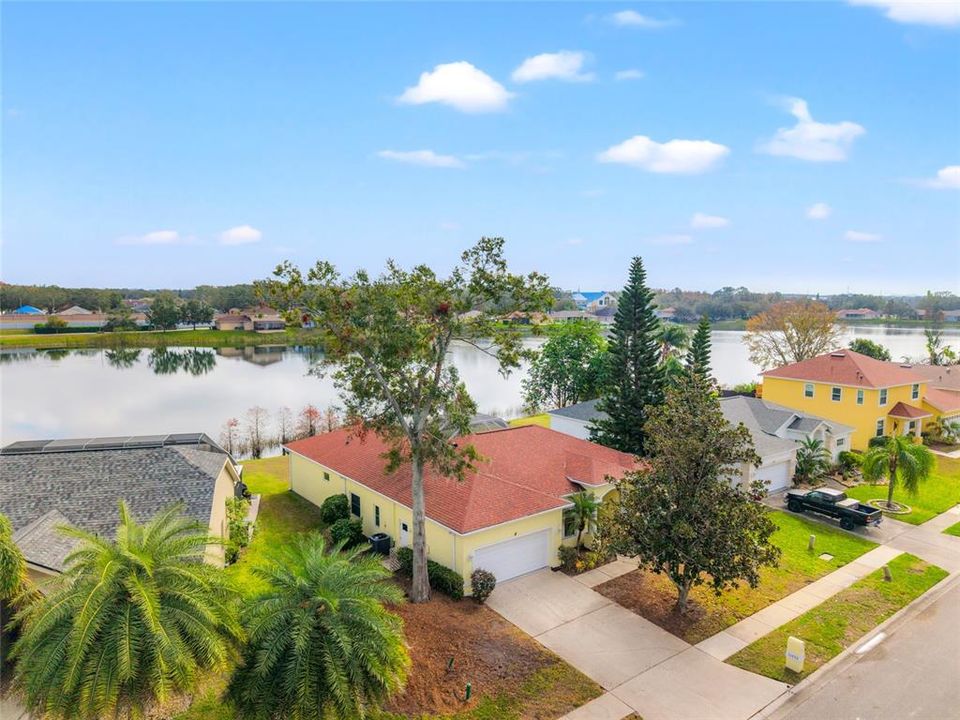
(420, 590)
(683, 593)
(891, 481)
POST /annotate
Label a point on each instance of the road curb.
(793, 697)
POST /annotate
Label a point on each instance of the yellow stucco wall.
(222, 490)
(863, 417)
(445, 546)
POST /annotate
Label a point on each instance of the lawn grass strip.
(837, 623)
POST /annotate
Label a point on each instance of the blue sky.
(791, 146)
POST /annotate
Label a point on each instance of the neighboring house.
(75, 310)
(518, 317)
(599, 299)
(606, 300)
(665, 313)
(48, 483)
(28, 310)
(874, 397)
(776, 432)
(509, 516)
(570, 315)
(261, 319)
(945, 315)
(858, 314)
(606, 315)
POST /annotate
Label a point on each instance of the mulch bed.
(487, 652)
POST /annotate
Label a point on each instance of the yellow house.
(509, 516)
(874, 397)
(45, 484)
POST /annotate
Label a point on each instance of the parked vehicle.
(833, 503)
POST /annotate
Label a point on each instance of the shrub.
(849, 461)
(568, 557)
(442, 578)
(335, 507)
(878, 441)
(347, 530)
(238, 531)
(483, 582)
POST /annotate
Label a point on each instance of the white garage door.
(515, 556)
(777, 477)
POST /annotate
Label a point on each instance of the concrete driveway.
(644, 668)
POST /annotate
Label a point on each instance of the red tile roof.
(902, 410)
(522, 471)
(941, 376)
(943, 400)
(846, 367)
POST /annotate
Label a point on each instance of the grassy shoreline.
(158, 338)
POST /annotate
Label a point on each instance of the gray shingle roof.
(585, 411)
(41, 490)
(42, 543)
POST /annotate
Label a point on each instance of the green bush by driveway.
(839, 622)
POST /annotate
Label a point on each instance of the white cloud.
(812, 140)
(819, 211)
(861, 237)
(702, 221)
(919, 12)
(459, 85)
(947, 178)
(157, 237)
(674, 156)
(426, 158)
(565, 65)
(631, 18)
(629, 74)
(677, 239)
(240, 235)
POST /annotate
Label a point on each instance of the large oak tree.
(387, 342)
(790, 332)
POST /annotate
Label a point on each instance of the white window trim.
(563, 525)
(884, 431)
(839, 391)
(915, 391)
(813, 390)
(883, 396)
(860, 396)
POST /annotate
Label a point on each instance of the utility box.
(380, 543)
(796, 653)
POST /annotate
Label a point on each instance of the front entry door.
(404, 535)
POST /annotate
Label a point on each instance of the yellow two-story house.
(509, 516)
(874, 397)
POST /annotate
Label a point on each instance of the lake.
(84, 393)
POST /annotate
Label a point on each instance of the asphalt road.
(914, 674)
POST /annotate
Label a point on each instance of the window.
(326, 476)
(915, 391)
(840, 442)
(883, 396)
(376, 515)
(808, 390)
(355, 504)
(859, 397)
(569, 523)
(835, 394)
(912, 426)
(880, 427)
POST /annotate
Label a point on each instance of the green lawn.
(941, 492)
(841, 621)
(653, 596)
(953, 530)
(157, 338)
(282, 515)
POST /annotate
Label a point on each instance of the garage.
(515, 556)
(776, 476)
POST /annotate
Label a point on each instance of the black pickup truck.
(833, 503)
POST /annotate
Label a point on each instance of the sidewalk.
(736, 637)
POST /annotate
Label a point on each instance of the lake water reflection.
(82, 393)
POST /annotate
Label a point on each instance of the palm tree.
(321, 642)
(129, 622)
(812, 460)
(901, 461)
(584, 510)
(673, 338)
(13, 568)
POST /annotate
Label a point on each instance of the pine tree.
(698, 359)
(634, 378)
